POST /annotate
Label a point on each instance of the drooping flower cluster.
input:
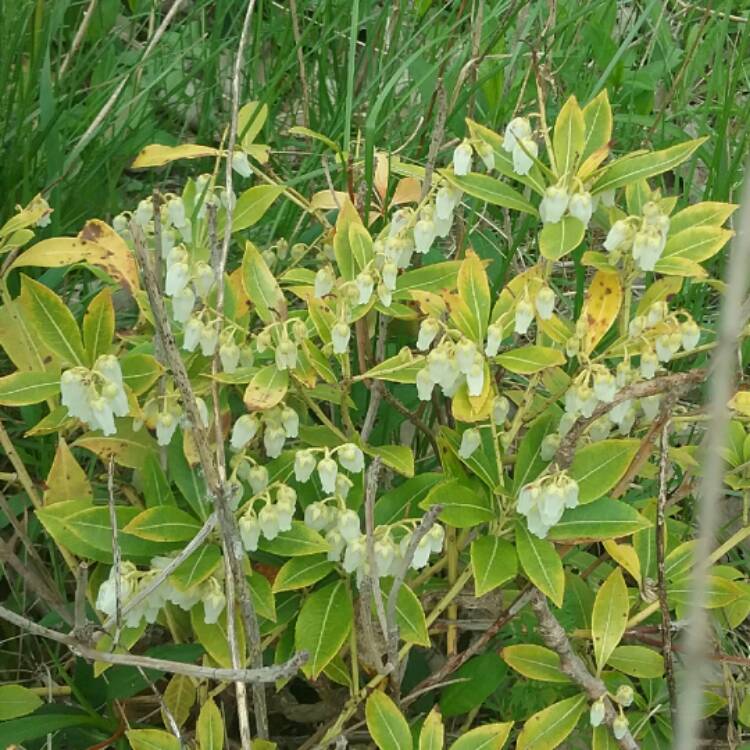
(644, 237)
(559, 201)
(520, 144)
(542, 306)
(544, 501)
(279, 424)
(274, 517)
(95, 396)
(164, 414)
(450, 364)
(133, 581)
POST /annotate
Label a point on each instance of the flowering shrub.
(372, 420)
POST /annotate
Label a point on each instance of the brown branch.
(555, 638)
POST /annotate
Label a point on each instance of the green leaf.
(66, 479)
(548, 728)
(267, 388)
(261, 285)
(534, 662)
(708, 213)
(33, 727)
(599, 466)
(300, 540)
(210, 727)
(527, 360)
(164, 523)
(465, 503)
(529, 461)
(474, 290)
(402, 501)
(597, 118)
(435, 277)
(559, 239)
(400, 458)
(152, 739)
(250, 119)
(401, 368)
(140, 372)
(568, 138)
(387, 725)
(196, 567)
(409, 615)
(214, 637)
(252, 205)
(609, 617)
(633, 168)
(156, 489)
(16, 701)
(300, 572)
(179, 699)
(696, 243)
(361, 245)
(491, 190)
(721, 592)
(99, 325)
(263, 599)
(24, 388)
(599, 520)
(493, 561)
(432, 734)
(479, 679)
(481, 462)
(323, 626)
(52, 321)
(637, 661)
(486, 737)
(541, 563)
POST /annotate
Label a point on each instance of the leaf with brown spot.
(601, 307)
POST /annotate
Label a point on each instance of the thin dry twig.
(116, 554)
(78, 38)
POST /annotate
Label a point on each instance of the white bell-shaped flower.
(365, 287)
(209, 338)
(486, 153)
(351, 457)
(318, 516)
(462, 156)
(268, 518)
(620, 236)
(424, 235)
(327, 471)
(178, 277)
(421, 553)
(465, 354)
(389, 274)
(691, 334)
(324, 281)
(625, 695)
(182, 305)
(229, 354)
(443, 225)
(494, 339)
(144, 213)
(524, 153)
(214, 601)
(304, 465)
(523, 317)
(436, 537)
(475, 378)
(166, 425)
(176, 212)
(428, 330)
(286, 504)
(516, 130)
(274, 438)
(290, 421)
(650, 406)
(620, 410)
(663, 348)
(550, 445)
(446, 200)
(385, 295)
(581, 207)
(241, 164)
(545, 302)
(343, 486)
(355, 554)
(587, 400)
(470, 441)
(249, 531)
(500, 409)
(243, 431)
(647, 248)
(204, 278)
(425, 384)
(385, 552)
(340, 335)
(113, 391)
(192, 334)
(620, 726)
(258, 478)
(605, 385)
(553, 204)
(348, 525)
(336, 545)
(596, 714)
(286, 355)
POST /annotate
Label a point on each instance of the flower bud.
(324, 281)
(649, 364)
(619, 236)
(286, 355)
(425, 384)
(229, 354)
(340, 334)
(470, 441)
(553, 204)
(524, 316)
(596, 715)
(351, 457)
(581, 207)
(428, 330)
(624, 695)
(304, 465)
(462, 156)
(545, 302)
(465, 353)
(240, 164)
(365, 286)
(500, 409)
(182, 305)
(486, 153)
(203, 278)
(424, 235)
(258, 478)
(620, 727)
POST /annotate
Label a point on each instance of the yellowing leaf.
(696, 243)
(24, 388)
(387, 724)
(625, 556)
(740, 403)
(179, 698)
(66, 479)
(486, 737)
(266, 389)
(534, 662)
(568, 137)
(548, 728)
(637, 661)
(157, 155)
(97, 244)
(250, 119)
(490, 190)
(210, 727)
(325, 200)
(601, 307)
(708, 213)
(474, 290)
(530, 359)
(99, 325)
(252, 204)
(559, 239)
(408, 190)
(261, 285)
(597, 118)
(432, 734)
(609, 617)
(152, 739)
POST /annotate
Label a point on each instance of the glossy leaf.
(386, 724)
(609, 617)
(603, 302)
(16, 700)
(548, 728)
(251, 206)
(526, 360)
(598, 520)
(300, 540)
(491, 190)
(261, 286)
(432, 734)
(599, 466)
(164, 523)
(300, 572)
(541, 563)
(24, 388)
(486, 737)
(637, 661)
(493, 561)
(464, 503)
(534, 662)
(210, 727)
(568, 137)
(559, 239)
(99, 325)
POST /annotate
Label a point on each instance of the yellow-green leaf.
(493, 561)
(401, 368)
(599, 466)
(637, 661)
(152, 739)
(557, 240)
(696, 243)
(99, 325)
(157, 155)
(487, 737)
(677, 266)
(530, 359)
(179, 698)
(252, 204)
(432, 735)
(267, 388)
(261, 286)
(541, 563)
(597, 118)
(602, 519)
(491, 190)
(250, 119)
(548, 728)
(603, 302)
(387, 725)
(66, 479)
(300, 572)
(568, 137)
(708, 213)
(534, 662)
(16, 700)
(24, 388)
(210, 727)
(397, 457)
(609, 617)
(163, 523)
(474, 290)
(634, 168)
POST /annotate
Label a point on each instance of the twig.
(661, 532)
(437, 136)
(419, 533)
(721, 386)
(116, 555)
(301, 62)
(80, 34)
(79, 607)
(260, 675)
(554, 637)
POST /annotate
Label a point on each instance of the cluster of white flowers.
(645, 236)
(279, 424)
(165, 414)
(471, 438)
(624, 697)
(284, 339)
(542, 306)
(95, 396)
(520, 144)
(544, 501)
(132, 581)
(558, 200)
(464, 153)
(274, 517)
